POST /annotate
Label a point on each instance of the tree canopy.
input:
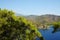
(56, 26)
(14, 27)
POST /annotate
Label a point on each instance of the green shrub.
(14, 27)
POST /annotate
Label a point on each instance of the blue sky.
(32, 7)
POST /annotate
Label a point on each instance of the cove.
(48, 35)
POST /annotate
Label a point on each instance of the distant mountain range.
(43, 19)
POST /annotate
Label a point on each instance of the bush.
(16, 28)
(56, 26)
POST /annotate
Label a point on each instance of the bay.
(48, 35)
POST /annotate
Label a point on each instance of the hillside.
(43, 19)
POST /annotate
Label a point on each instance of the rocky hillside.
(43, 19)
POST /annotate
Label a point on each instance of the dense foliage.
(16, 28)
(56, 26)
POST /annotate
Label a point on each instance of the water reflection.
(48, 35)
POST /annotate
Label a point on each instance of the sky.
(32, 7)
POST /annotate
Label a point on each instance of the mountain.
(43, 19)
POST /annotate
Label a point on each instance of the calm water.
(48, 35)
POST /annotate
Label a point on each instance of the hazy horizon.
(32, 7)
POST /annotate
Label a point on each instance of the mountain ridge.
(43, 19)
